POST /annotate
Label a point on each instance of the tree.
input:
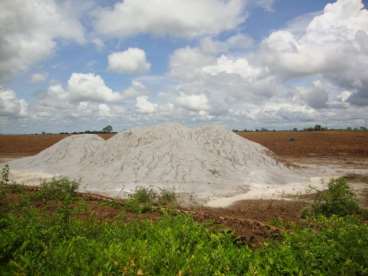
(107, 129)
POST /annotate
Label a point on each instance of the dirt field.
(285, 144)
(313, 144)
(23, 145)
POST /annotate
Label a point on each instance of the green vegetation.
(146, 200)
(337, 200)
(57, 189)
(34, 241)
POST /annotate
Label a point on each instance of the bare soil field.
(24, 145)
(284, 144)
(313, 144)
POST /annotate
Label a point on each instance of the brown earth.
(313, 144)
(24, 145)
(283, 143)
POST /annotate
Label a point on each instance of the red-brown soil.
(313, 144)
(283, 143)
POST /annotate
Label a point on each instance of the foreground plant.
(57, 189)
(338, 200)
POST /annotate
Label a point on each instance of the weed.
(167, 198)
(57, 189)
(338, 200)
(142, 201)
(4, 180)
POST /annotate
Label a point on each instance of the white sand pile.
(206, 162)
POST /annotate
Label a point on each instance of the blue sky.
(241, 63)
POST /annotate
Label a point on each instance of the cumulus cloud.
(193, 102)
(312, 71)
(238, 66)
(29, 29)
(143, 105)
(333, 44)
(189, 18)
(38, 77)
(90, 87)
(10, 105)
(131, 61)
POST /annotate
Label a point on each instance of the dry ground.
(303, 144)
(24, 145)
(313, 144)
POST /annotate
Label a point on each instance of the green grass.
(36, 242)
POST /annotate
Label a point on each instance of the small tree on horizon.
(107, 129)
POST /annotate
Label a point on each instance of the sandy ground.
(321, 171)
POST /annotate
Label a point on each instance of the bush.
(57, 189)
(146, 200)
(141, 201)
(337, 200)
(4, 178)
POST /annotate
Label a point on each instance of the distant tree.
(295, 129)
(107, 129)
(317, 127)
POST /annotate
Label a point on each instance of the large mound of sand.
(206, 162)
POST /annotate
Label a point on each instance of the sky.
(81, 65)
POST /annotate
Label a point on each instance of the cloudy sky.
(78, 65)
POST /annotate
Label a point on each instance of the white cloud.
(238, 66)
(10, 105)
(131, 61)
(90, 87)
(38, 77)
(332, 43)
(29, 29)
(186, 63)
(143, 105)
(193, 102)
(189, 18)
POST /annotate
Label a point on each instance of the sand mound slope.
(207, 161)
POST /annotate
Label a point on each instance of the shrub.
(142, 201)
(5, 175)
(338, 200)
(146, 200)
(57, 189)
